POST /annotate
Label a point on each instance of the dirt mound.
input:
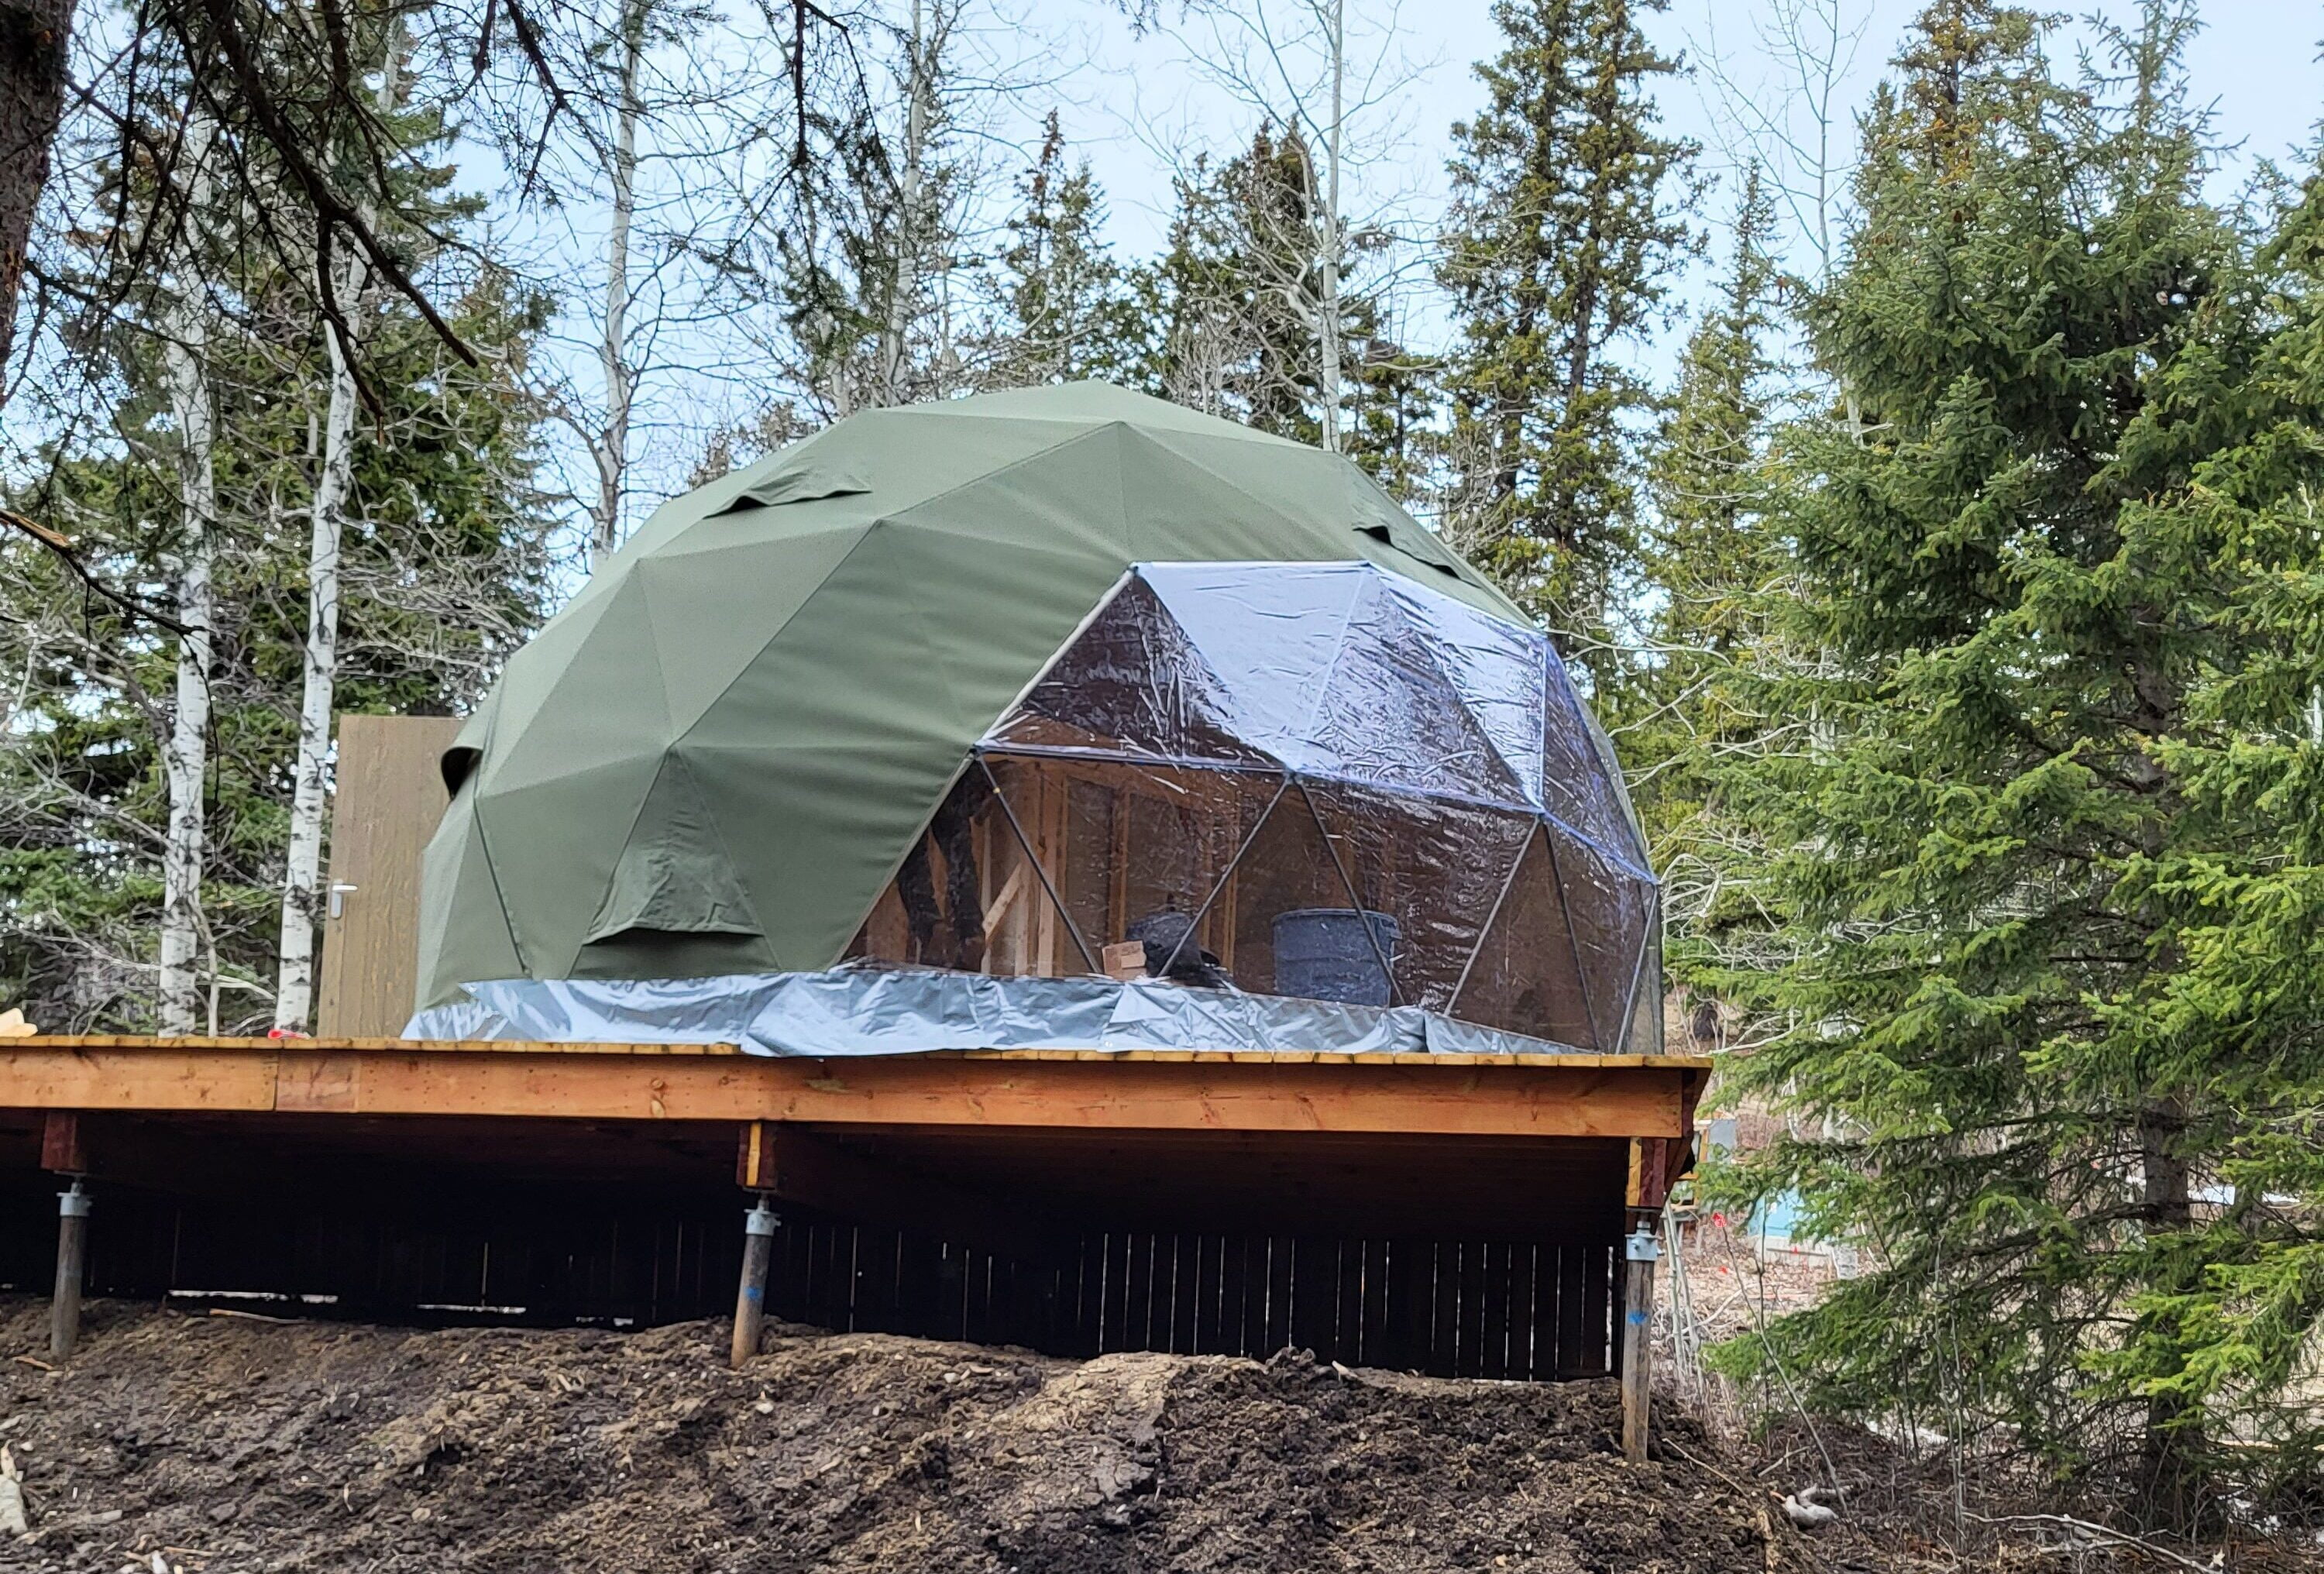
(232, 1444)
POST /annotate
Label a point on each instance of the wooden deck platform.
(1544, 1095)
(1455, 1213)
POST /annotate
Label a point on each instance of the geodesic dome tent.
(1061, 717)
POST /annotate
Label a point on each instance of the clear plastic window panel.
(1297, 781)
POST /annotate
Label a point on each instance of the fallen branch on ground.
(2120, 1538)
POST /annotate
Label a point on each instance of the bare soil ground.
(231, 1444)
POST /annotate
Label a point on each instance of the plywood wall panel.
(389, 798)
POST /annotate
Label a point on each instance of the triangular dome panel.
(1576, 786)
(674, 875)
(1389, 714)
(1433, 867)
(1270, 638)
(463, 927)
(1497, 669)
(1608, 910)
(1134, 684)
(1527, 975)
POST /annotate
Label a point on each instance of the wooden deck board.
(1167, 1056)
(1445, 1095)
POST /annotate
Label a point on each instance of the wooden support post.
(72, 1264)
(1640, 1249)
(750, 1299)
(63, 1153)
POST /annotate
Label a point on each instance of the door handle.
(339, 899)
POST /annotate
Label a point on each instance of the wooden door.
(389, 798)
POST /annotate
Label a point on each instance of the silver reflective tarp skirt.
(884, 1010)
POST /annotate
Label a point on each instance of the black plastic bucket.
(1320, 953)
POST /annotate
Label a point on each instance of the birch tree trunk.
(612, 444)
(294, 988)
(903, 284)
(1330, 377)
(186, 755)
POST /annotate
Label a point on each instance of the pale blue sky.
(2256, 61)
(1133, 104)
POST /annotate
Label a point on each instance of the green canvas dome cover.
(713, 761)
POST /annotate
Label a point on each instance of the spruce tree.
(1239, 296)
(1976, 807)
(1707, 552)
(1065, 307)
(867, 274)
(1565, 231)
(1396, 402)
(1238, 287)
(2225, 1334)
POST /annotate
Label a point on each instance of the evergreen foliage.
(445, 569)
(1238, 289)
(866, 276)
(1395, 427)
(1565, 231)
(2229, 1330)
(1068, 311)
(1708, 551)
(2036, 798)
(1240, 295)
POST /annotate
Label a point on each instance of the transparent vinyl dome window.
(1318, 781)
